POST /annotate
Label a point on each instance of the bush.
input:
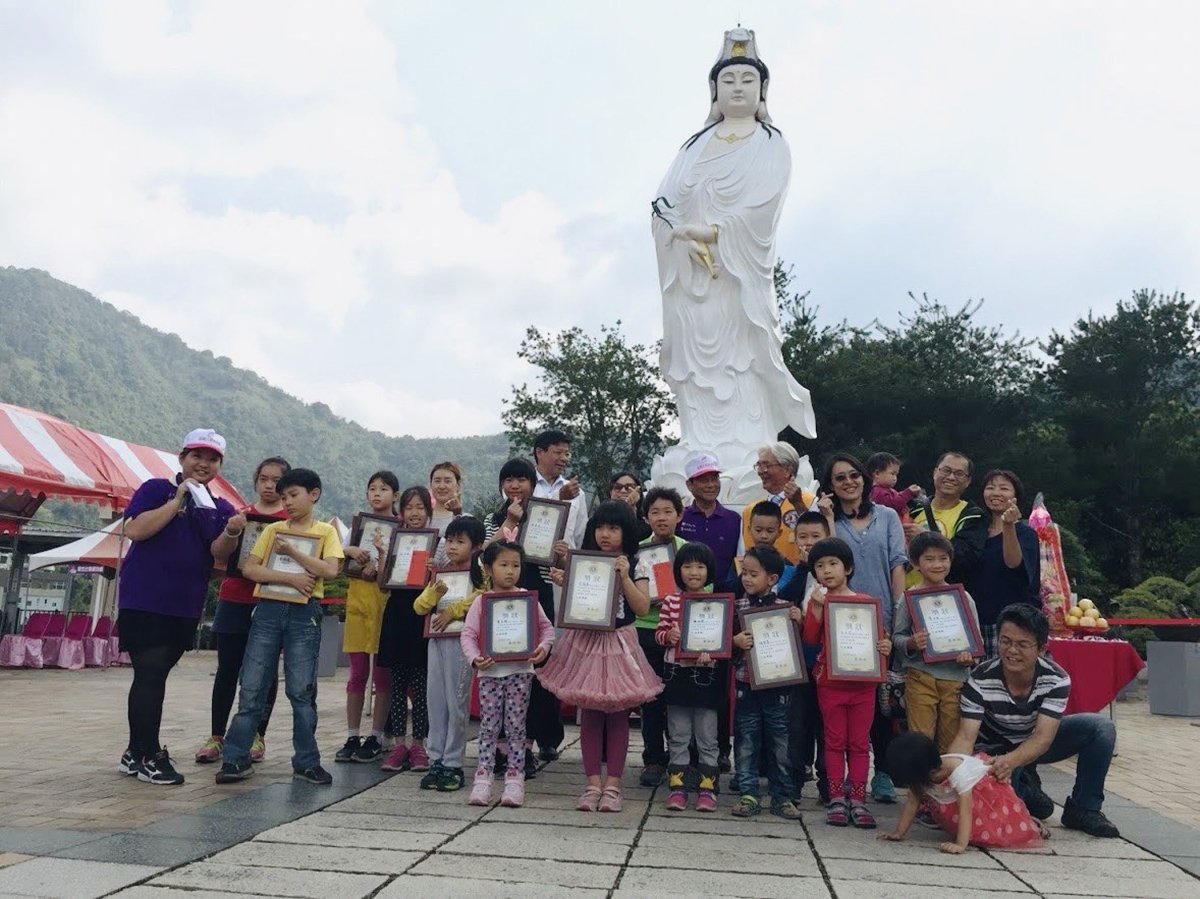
(1172, 592)
(1193, 581)
(1137, 602)
(1139, 637)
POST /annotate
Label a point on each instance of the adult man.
(1012, 709)
(963, 522)
(706, 520)
(777, 466)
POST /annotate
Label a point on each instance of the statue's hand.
(698, 233)
(701, 255)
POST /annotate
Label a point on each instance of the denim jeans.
(296, 629)
(762, 716)
(1090, 737)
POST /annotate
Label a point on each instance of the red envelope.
(664, 579)
(418, 567)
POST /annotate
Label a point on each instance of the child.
(930, 688)
(448, 691)
(964, 798)
(231, 626)
(364, 618)
(503, 686)
(847, 707)
(294, 628)
(760, 715)
(766, 524)
(663, 506)
(692, 691)
(402, 649)
(604, 673)
(884, 470)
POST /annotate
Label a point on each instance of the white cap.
(701, 464)
(205, 438)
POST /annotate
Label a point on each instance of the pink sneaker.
(514, 790)
(418, 758)
(211, 751)
(676, 801)
(258, 749)
(397, 759)
(589, 800)
(610, 799)
(481, 790)
(706, 801)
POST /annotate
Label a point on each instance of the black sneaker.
(548, 754)
(159, 770)
(369, 750)
(530, 765)
(129, 765)
(724, 765)
(314, 775)
(232, 772)
(1092, 822)
(652, 775)
(1039, 804)
(348, 751)
(451, 780)
(823, 791)
(432, 777)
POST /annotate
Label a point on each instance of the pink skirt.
(602, 670)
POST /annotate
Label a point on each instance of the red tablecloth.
(1099, 670)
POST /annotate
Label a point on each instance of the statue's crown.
(739, 43)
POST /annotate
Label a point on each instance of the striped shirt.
(1008, 722)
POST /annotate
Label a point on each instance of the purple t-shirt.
(720, 532)
(169, 572)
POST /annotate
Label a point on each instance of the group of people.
(961, 734)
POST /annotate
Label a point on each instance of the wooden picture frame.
(255, 525)
(509, 632)
(859, 619)
(776, 659)
(954, 630)
(459, 582)
(310, 545)
(698, 630)
(412, 549)
(362, 529)
(660, 565)
(544, 524)
(591, 591)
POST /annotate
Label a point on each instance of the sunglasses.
(847, 476)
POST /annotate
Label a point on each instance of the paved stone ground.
(369, 836)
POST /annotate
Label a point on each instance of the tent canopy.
(100, 548)
(41, 454)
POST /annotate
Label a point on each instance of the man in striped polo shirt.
(1012, 709)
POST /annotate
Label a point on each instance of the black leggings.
(408, 677)
(146, 694)
(231, 649)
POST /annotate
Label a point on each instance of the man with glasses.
(963, 522)
(1012, 709)
(777, 466)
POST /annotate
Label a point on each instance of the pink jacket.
(472, 635)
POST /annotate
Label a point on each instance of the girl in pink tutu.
(961, 794)
(605, 673)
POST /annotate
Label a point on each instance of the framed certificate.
(363, 531)
(853, 625)
(544, 524)
(408, 558)
(659, 559)
(705, 625)
(309, 544)
(509, 625)
(775, 659)
(458, 584)
(590, 591)
(249, 536)
(944, 613)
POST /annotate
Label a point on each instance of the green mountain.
(64, 352)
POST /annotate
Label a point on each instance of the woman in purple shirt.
(164, 582)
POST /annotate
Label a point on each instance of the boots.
(677, 798)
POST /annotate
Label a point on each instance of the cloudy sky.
(403, 187)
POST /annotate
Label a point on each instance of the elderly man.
(777, 466)
(706, 520)
(963, 522)
(1012, 709)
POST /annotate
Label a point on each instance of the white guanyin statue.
(714, 224)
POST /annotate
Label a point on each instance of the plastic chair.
(24, 650)
(96, 650)
(67, 651)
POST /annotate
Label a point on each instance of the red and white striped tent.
(104, 547)
(41, 454)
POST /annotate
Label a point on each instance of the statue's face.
(738, 90)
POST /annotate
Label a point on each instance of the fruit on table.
(1086, 621)
(1086, 604)
(1073, 620)
(1075, 612)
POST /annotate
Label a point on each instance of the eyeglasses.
(763, 466)
(1022, 645)
(957, 473)
(847, 476)
(624, 488)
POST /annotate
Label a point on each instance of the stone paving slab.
(260, 880)
(409, 886)
(498, 840)
(145, 891)
(728, 859)
(534, 831)
(629, 817)
(1166, 883)
(711, 842)
(310, 857)
(68, 878)
(301, 833)
(556, 873)
(140, 849)
(865, 889)
(680, 882)
(930, 873)
(361, 821)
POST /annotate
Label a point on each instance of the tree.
(601, 390)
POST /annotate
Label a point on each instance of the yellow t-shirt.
(331, 545)
(785, 543)
(946, 521)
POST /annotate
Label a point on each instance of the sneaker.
(589, 799)
(397, 759)
(676, 801)
(418, 758)
(549, 754)
(258, 749)
(514, 791)
(925, 819)
(159, 770)
(652, 775)
(232, 772)
(610, 800)
(786, 809)
(1039, 804)
(861, 817)
(823, 791)
(531, 768)
(314, 775)
(1090, 821)
(481, 790)
(882, 788)
(724, 765)
(747, 807)
(346, 753)
(838, 814)
(452, 780)
(211, 751)
(432, 777)
(369, 750)
(129, 765)
(706, 801)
